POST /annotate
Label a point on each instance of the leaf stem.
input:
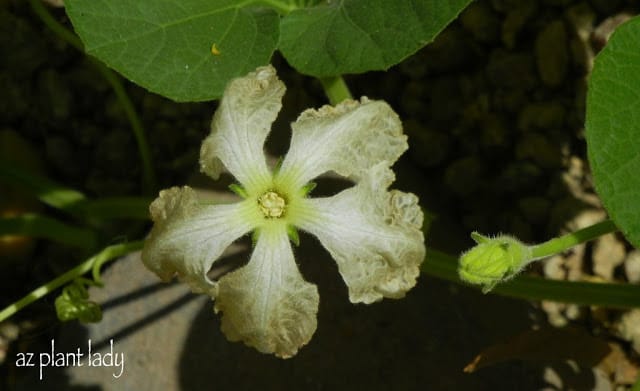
(54, 25)
(30, 224)
(335, 88)
(107, 254)
(565, 242)
(46, 190)
(70, 200)
(148, 174)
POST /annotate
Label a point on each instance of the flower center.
(271, 204)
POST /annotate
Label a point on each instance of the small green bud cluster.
(74, 303)
(493, 260)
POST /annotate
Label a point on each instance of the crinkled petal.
(267, 304)
(187, 237)
(240, 126)
(375, 236)
(348, 139)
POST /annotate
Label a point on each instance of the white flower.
(373, 234)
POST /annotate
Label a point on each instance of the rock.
(412, 99)
(55, 3)
(581, 18)
(15, 102)
(507, 5)
(495, 133)
(553, 267)
(480, 20)
(629, 328)
(63, 156)
(603, 32)
(566, 266)
(465, 175)
(577, 115)
(445, 100)
(552, 56)
(573, 180)
(606, 7)
(582, 55)
(559, 314)
(569, 376)
(55, 94)
(608, 253)
(586, 218)
(427, 146)
(557, 3)
(539, 149)
(518, 176)
(115, 153)
(535, 209)
(516, 225)
(22, 50)
(509, 101)
(632, 266)
(619, 366)
(451, 50)
(541, 116)
(515, 20)
(9, 332)
(511, 70)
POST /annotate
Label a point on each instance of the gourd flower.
(373, 234)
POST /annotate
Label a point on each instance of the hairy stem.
(565, 242)
(613, 295)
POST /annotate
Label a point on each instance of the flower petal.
(373, 235)
(348, 139)
(187, 237)
(267, 304)
(240, 126)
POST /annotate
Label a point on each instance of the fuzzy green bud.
(493, 260)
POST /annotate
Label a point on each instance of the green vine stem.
(148, 176)
(336, 89)
(494, 260)
(612, 295)
(107, 254)
(46, 190)
(70, 200)
(565, 242)
(34, 225)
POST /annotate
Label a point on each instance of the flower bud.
(493, 260)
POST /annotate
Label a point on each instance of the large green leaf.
(354, 36)
(613, 128)
(166, 45)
